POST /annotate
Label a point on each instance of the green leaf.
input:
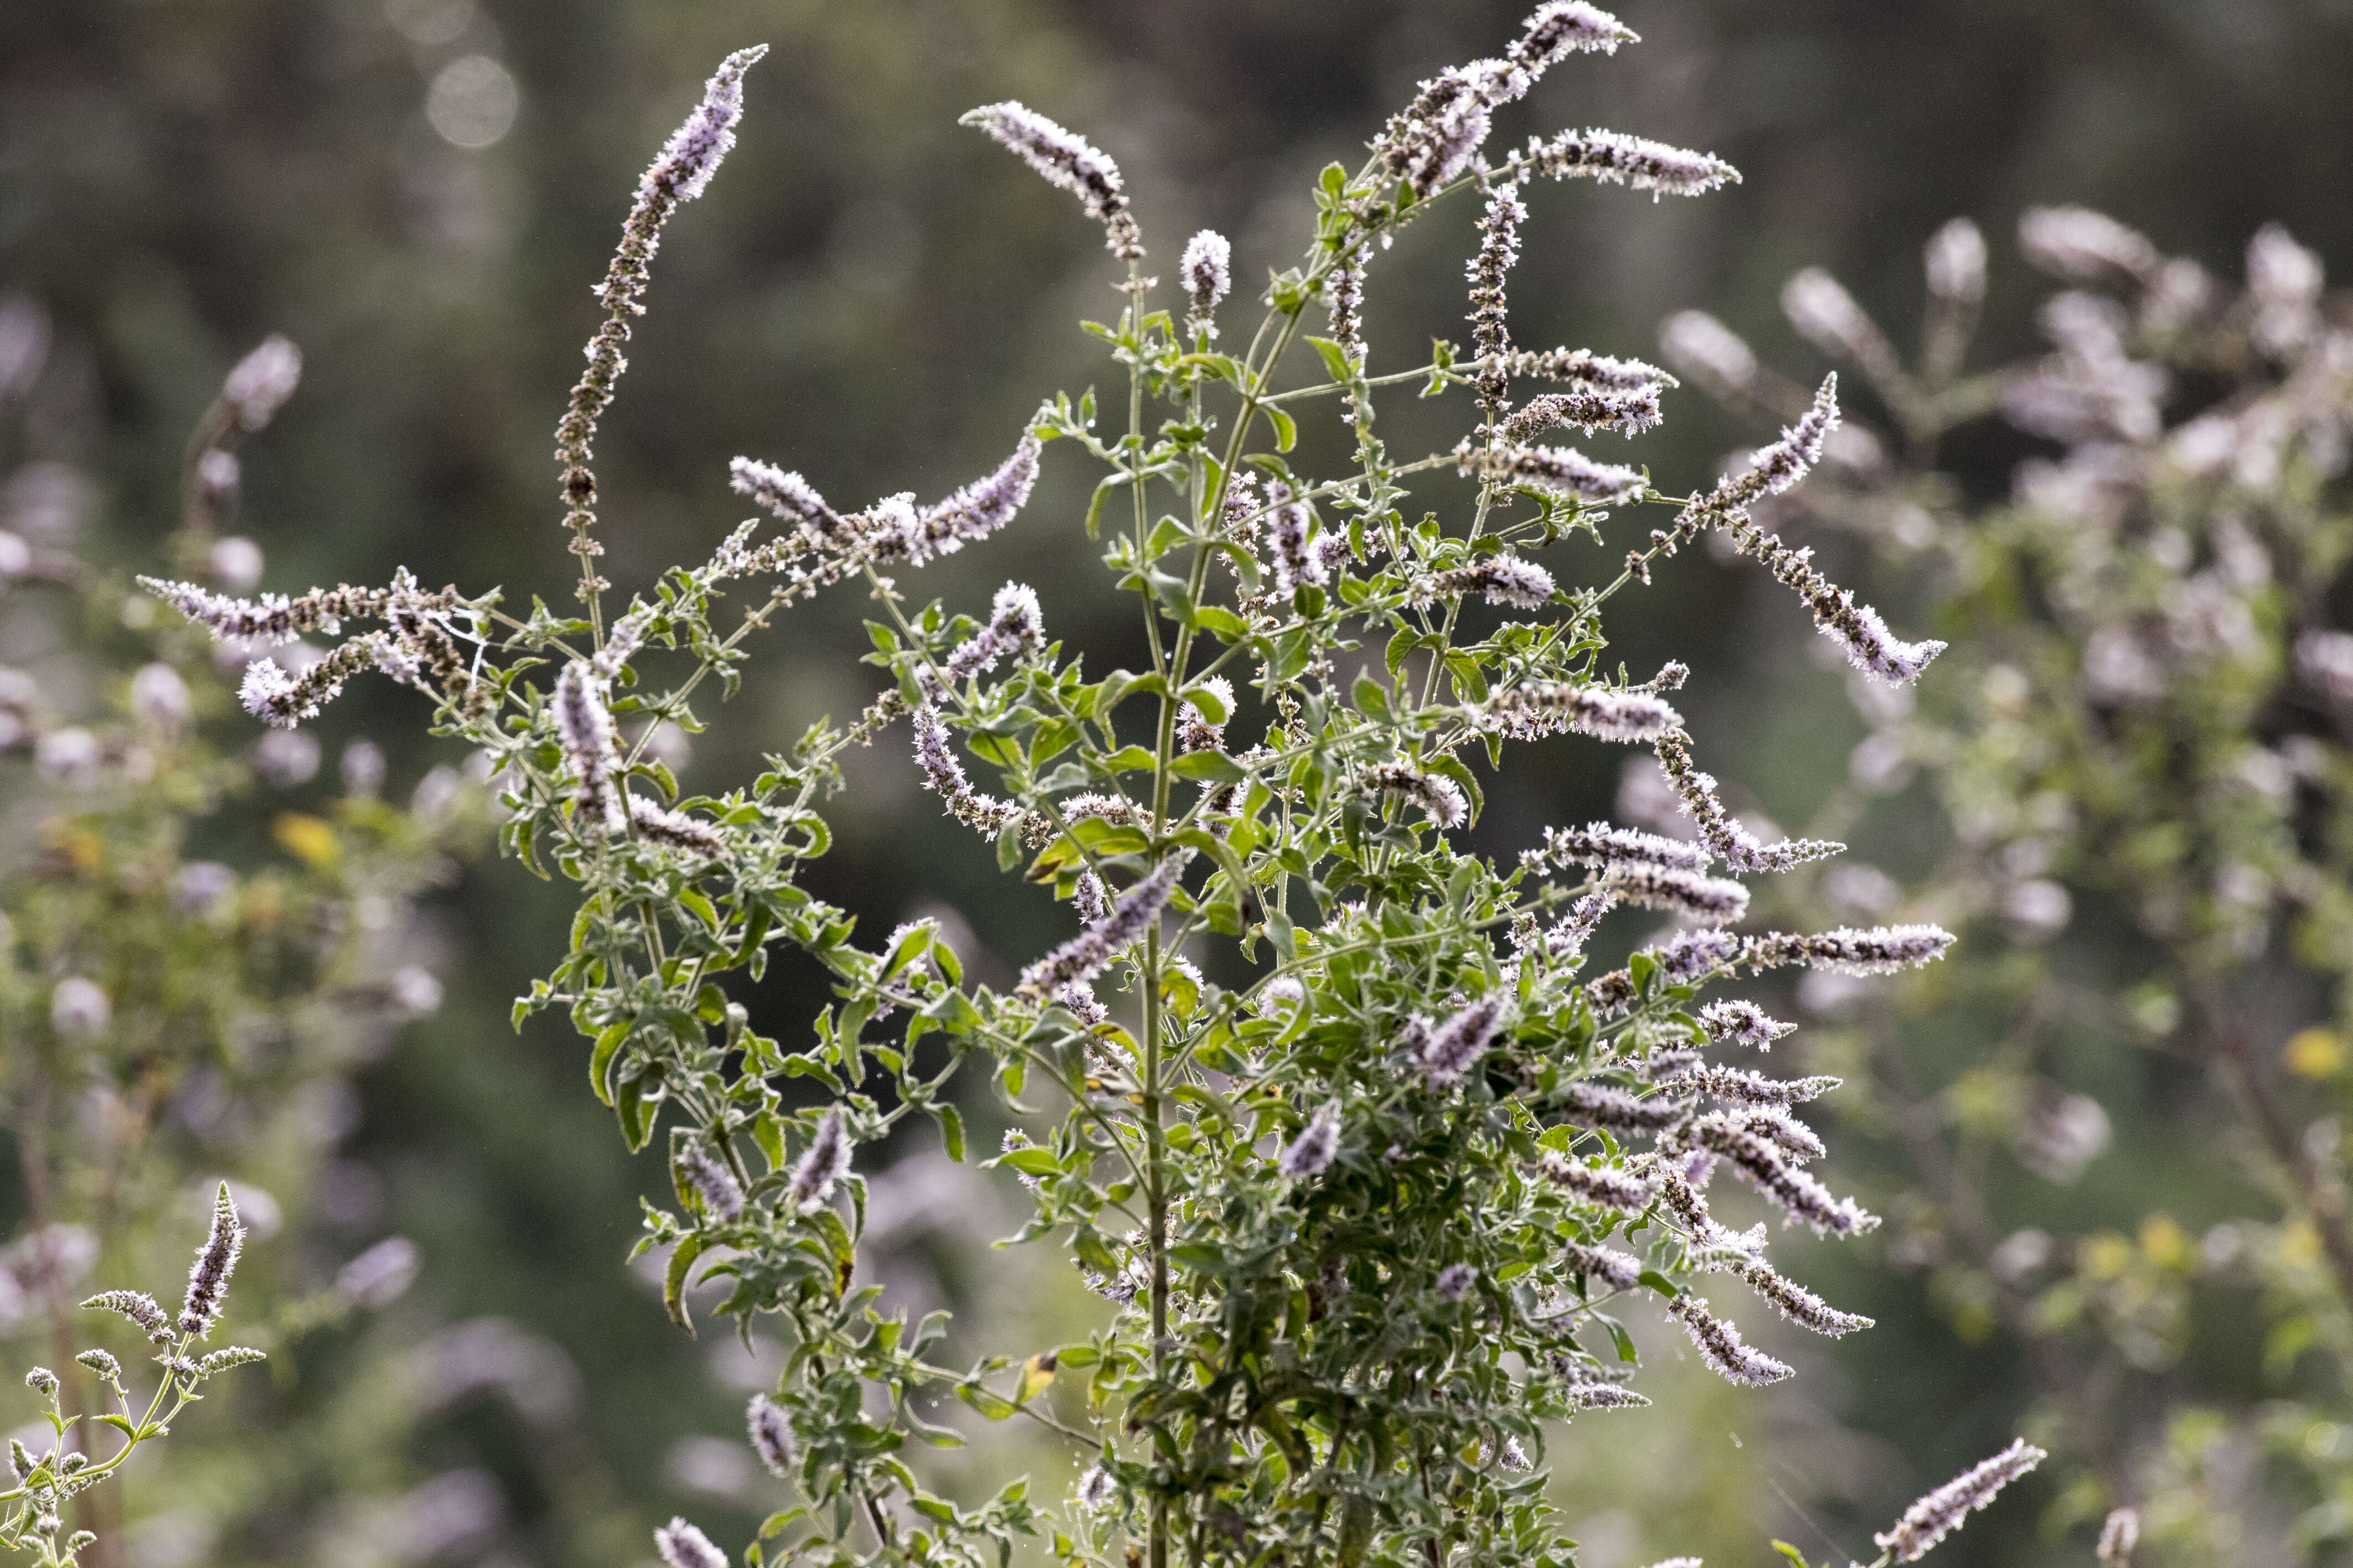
(1221, 624)
(1661, 1283)
(1200, 1257)
(1336, 359)
(600, 1059)
(1102, 493)
(1030, 1160)
(1225, 367)
(637, 1111)
(1792, 1554)
(1210, 767)
(1212, 706)
(953, 1011)
(690, 1247)
(951, 1131)
(1286, 428)
(1166, 535)
(1279, 933)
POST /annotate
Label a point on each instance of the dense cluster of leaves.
(1365, 1181)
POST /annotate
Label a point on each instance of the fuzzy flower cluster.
(1584, 368)
(1490, 334)
(1939, 1514)
(1772, 1172)
(682, 1545)
(1297, 561)
(1094, 950)
(216, 1261)
(1608, 1186)
(277, 618)
(1558, 707)
(1674, 891)
(681, 172)
(676, 829)
(1741, 1023)
(583, 728)
(1773, 469)
(714, 1182)
(1455, 1045)
(824, 545)
(784, 494)
(1068, 162)
(1628, 412)
(771, 1431)
(1720, 1345)
(945, 777)
(1560, 470)
(1880, 950)
(1499, 579)
(1796, 1304)
(1196, 730)
(822, 1165)
(1725, 837)
(1603, 844)
(1614, 158)
(1015, 628)
(1312, 1152)
(1435, 140)
(1207, 273)
(1857, 628)
(1745, 1086)
(1440, 799)
(260, 382)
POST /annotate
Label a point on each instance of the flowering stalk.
(46, 1480)
(679, 174)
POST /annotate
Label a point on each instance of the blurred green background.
(421, 192)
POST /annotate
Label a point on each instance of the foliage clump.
(1362, 1153)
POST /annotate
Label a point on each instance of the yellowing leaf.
(306, 837)
(2106, 1255)
(2315, 1052)
(1036, 1373)
(74, 843)
(2164, 1243)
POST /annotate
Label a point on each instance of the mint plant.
(1361, 1157)
(45, 1481)
(194, 957)
(2151, 724)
